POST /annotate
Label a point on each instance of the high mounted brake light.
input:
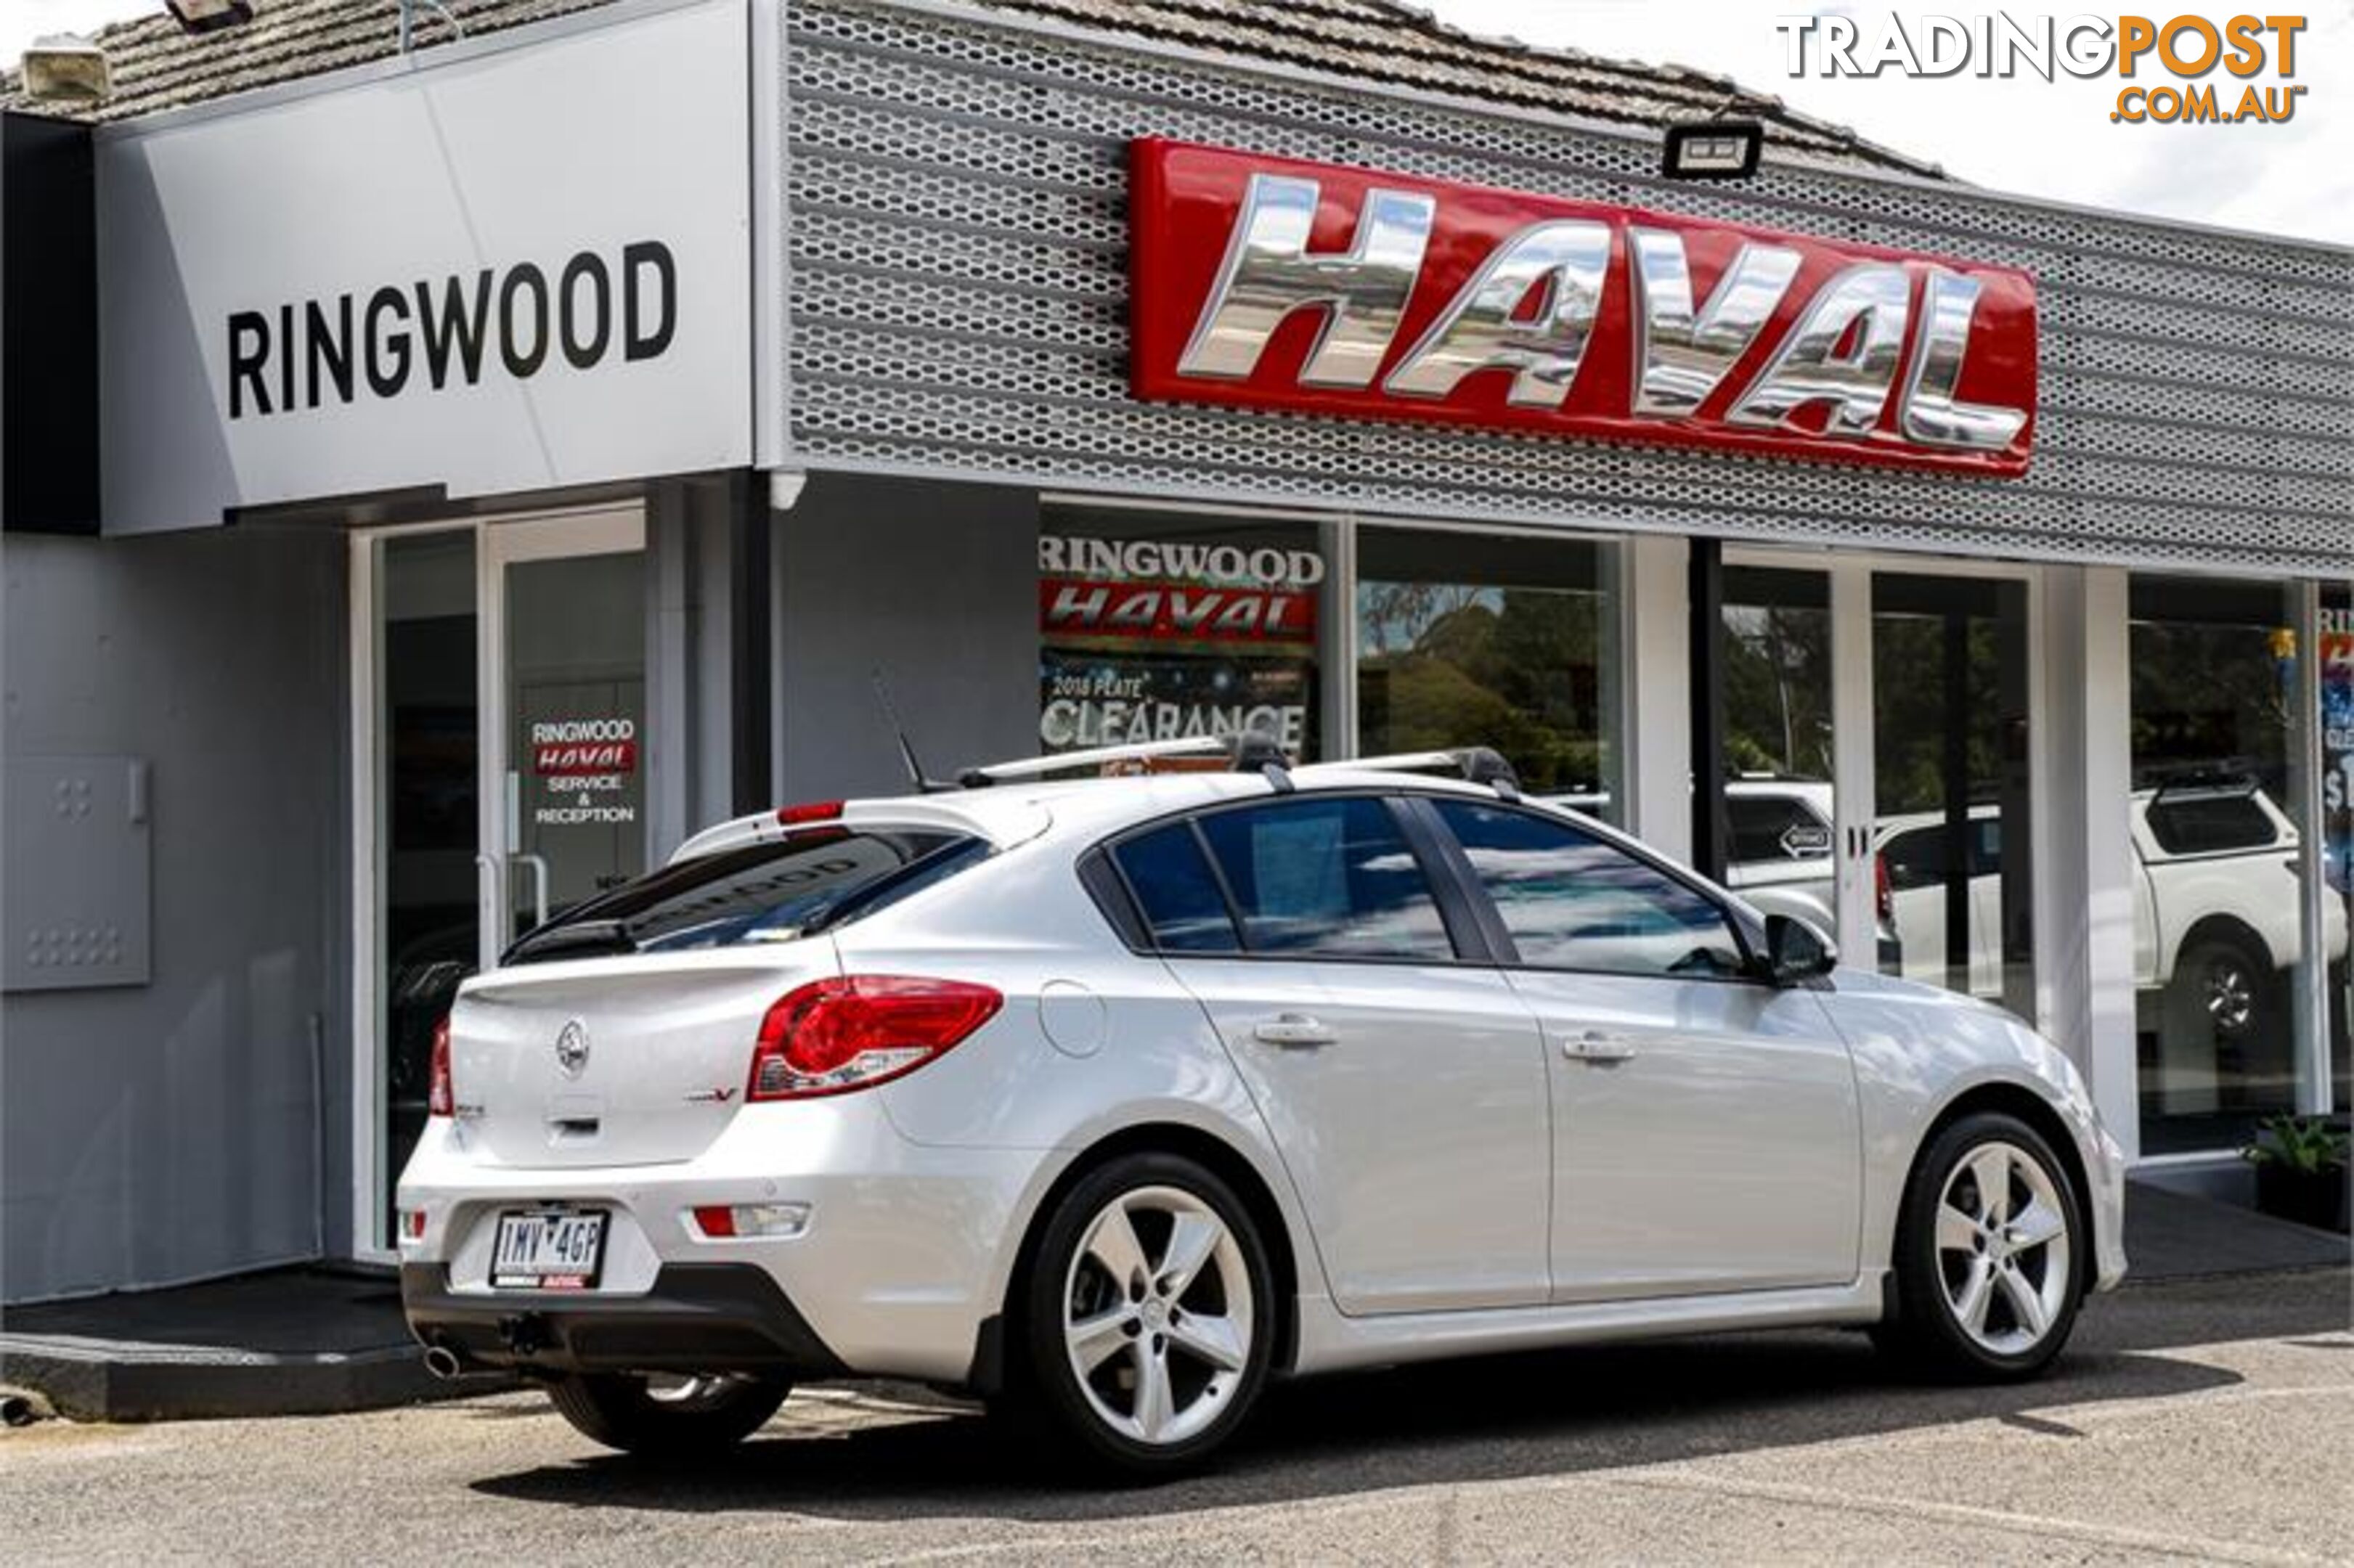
(834, 1035)
(808, 812)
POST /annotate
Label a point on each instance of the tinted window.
(1986, 846)
(762, 893)
(1572, 902)
(2206, 824)
(1327, 876)
(1769, 829)
(1174, 888)
(1915, 858)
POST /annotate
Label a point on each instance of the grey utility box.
(76, 859)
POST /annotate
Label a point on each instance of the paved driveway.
(2212, 1420)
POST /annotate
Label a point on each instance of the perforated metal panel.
(956, 228)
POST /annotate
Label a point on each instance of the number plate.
(548, 1249)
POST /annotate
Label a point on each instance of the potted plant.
(2300, 1164)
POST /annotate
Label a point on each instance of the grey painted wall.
(936, 585)
(172, 1130)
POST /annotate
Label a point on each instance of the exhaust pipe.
(442, 1362)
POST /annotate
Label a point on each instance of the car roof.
(1008, 814)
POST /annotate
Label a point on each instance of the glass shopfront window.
(1166, 626)
(2217, 897)
(1476, 640)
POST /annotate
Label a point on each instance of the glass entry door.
(499, 777)
(1876, 739)
(565, 792)
(1950, 781)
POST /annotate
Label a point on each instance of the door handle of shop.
(1595, 1047)
(1292, 1030)
(538, 865)
(492, 899)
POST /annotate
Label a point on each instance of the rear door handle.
(1292, 1030)
(1594, 1046)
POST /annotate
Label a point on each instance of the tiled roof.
(158, 67)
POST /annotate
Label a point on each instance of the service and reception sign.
(438, 275)
(1272, 283)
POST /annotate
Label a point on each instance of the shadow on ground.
(1558, 1412)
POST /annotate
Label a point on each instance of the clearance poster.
(1155, 640)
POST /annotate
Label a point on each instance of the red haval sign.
(1272, 283)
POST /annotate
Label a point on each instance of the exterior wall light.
(66, 69)
(211, 15)
(1713, 150)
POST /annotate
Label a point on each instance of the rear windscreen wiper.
(574, 939)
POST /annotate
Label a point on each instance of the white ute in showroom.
(1108, 1101)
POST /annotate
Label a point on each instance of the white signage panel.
(508, 265)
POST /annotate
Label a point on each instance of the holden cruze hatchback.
(1109, 1101)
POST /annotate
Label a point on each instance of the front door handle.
(1292, 1030)
(1594, 1046)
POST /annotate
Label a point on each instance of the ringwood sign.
(300, 355)
(1273, 283)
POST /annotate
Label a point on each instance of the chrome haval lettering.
(1482, 329)
(1869, 301)
(1535, 302)
(1928, 411)
(1680, 357)
(1269, 273)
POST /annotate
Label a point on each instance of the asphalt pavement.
(2210, 1420)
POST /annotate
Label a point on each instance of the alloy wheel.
(2003, 1248)
(1158, 1315)
(2230, 996)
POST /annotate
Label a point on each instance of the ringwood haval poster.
(1145, 641)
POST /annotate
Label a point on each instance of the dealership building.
(438, 483)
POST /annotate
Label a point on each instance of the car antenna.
(923, 785)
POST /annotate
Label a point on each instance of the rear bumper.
(698, 1318)
(904, 1252)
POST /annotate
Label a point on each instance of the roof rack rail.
(1252, 751)
(1476, 763)
(981, 777)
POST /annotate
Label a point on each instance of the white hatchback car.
(1108, 1101)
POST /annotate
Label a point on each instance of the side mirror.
(1796, 952)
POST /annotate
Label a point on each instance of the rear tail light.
(853, 1031)
(439, 1099)
(1882, 897)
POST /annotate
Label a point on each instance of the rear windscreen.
(775, 892)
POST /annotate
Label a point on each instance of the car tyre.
(672, 1418)
(2222, 990)
(1991, 1254)
(1146, 1318)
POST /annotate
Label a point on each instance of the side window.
(2195, 821)
(1327, 877)
(1572, 902)
(1179, 898)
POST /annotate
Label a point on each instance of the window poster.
(1175, 637)
(2337, 670)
